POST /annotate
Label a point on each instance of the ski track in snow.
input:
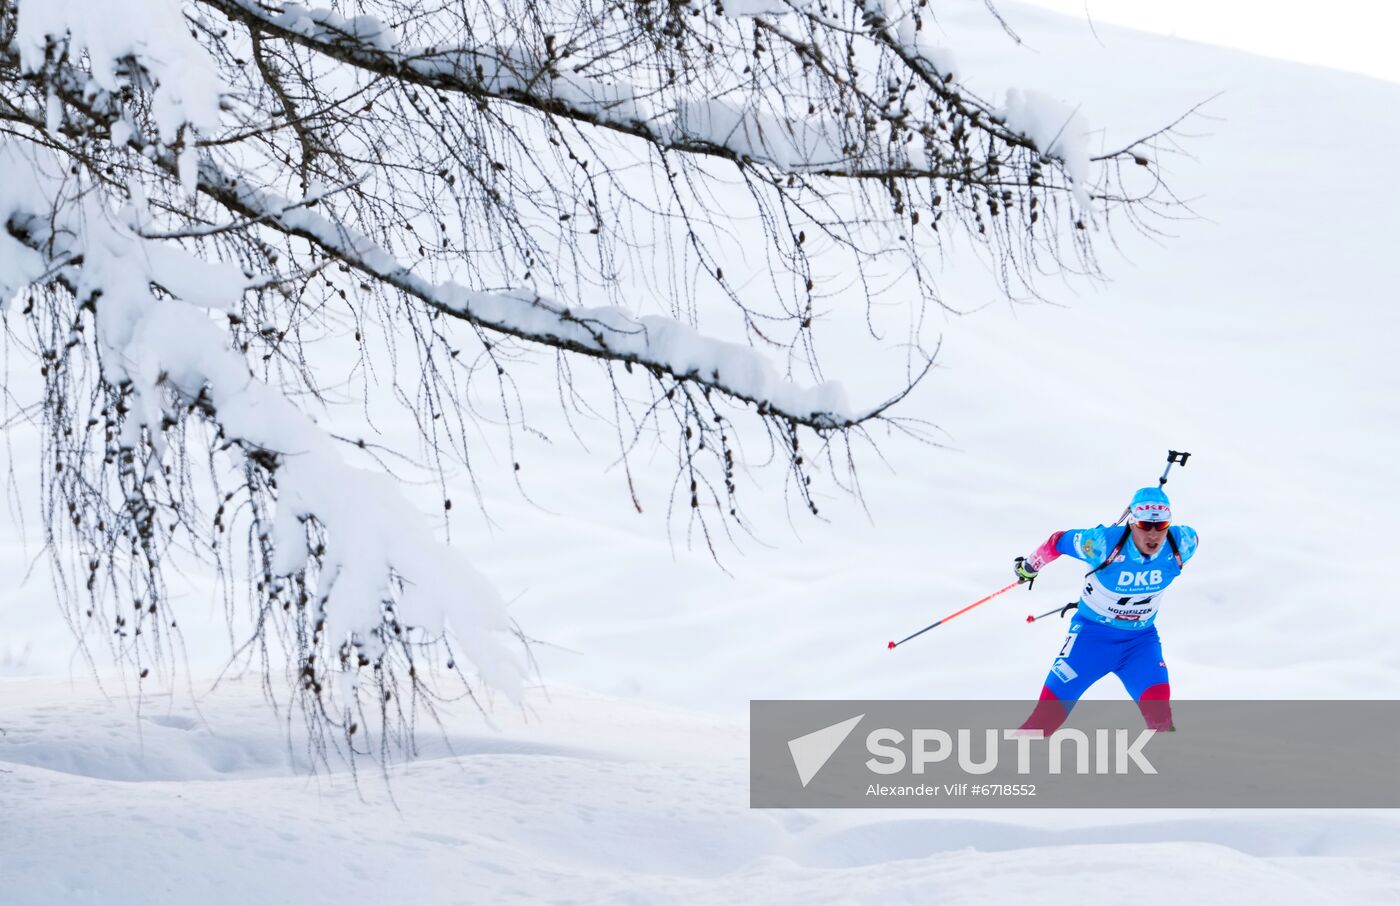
(1261, 331)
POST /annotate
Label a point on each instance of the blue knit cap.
(1150, 505)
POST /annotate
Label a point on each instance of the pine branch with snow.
(193, 194)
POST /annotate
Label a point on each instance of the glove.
(1024, 571)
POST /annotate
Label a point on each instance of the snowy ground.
(592, 800)
(1260, 333)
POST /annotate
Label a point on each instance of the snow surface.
(592, 800)
(1261, 332)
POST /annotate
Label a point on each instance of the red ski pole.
(999, 591)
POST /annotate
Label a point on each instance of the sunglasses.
(1153, 526)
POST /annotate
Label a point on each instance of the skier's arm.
(1082, 544)
(1186, 540)
(1049, 550)
(1027, 568)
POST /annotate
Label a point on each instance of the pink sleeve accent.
(1046, 552)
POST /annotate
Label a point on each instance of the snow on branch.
(1056, 128)
(122, 41)
(379, 572)
(706, 126)
(110, 34)
(730, 124)
(663, 345)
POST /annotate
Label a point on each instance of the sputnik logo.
(810, 753)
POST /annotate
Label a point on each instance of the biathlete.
(1112, 630)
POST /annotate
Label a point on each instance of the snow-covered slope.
(1259, 334)
(593, 800)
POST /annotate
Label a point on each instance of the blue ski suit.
(1113, 631)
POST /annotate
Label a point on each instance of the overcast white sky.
(1355, 35)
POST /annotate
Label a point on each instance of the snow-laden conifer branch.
(360, 579)
(663, 346)
(540, 76)
(807, 100)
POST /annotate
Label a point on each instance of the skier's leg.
(1156, 706)
(1083, 658)
(1050, 712)
(1144, 674)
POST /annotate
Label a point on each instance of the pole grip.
(1173, 457)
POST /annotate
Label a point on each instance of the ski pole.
(1059, 610)
(999, 591)
(1173, 457)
